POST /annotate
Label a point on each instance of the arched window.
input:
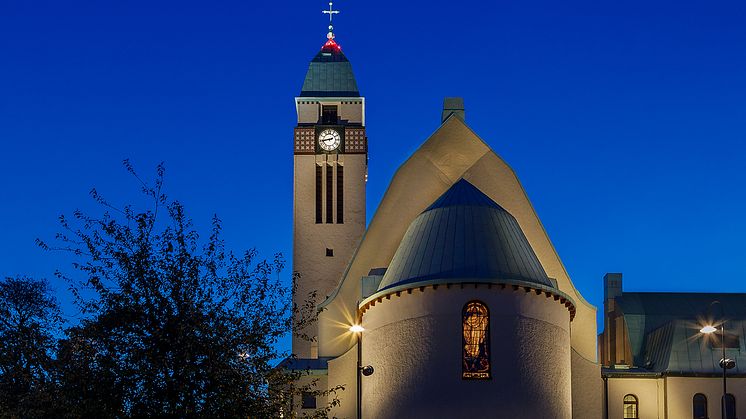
(699, 406)
(630, 407)
(730, 406)
(475, 321)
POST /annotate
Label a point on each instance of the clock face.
(329, 139)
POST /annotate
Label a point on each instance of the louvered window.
(319, 193)
(340, 194)
(329, 195)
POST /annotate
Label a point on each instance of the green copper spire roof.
(330, 74)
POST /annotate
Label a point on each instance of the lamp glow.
(708, 329)
(356, 328)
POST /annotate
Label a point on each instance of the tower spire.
(331, 12)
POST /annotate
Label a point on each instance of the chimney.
(612, 285)
(451, 106)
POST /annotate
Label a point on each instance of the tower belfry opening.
(328, 114)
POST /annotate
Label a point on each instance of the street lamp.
(367, 370)
(725, 363)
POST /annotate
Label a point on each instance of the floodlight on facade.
(356, 328)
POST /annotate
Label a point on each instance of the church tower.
(330, 168)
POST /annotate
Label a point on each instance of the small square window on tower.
(329, 252)
(309, 401)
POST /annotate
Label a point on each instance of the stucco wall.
(681, 390)
(414, 342)
(310, 240)
(451, 152)
(308, 111)
(343, 371)
(587, 399)
(671, 397)
(318, 381)
(649, 392)
(351, 109)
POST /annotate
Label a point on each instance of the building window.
(329, 252)
(699, 406)
(630, 407)
(340, 194)
(328, 114)
(730, 406)
(309, 401)
(476, 341)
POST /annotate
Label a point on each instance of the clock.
(329, 139)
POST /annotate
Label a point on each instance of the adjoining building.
(453, 302)
(658, 363)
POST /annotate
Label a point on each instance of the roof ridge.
(463, 226)
(463, 193)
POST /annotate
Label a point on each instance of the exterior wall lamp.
(725, 363)
(367, 370)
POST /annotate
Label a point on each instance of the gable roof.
(663, 328)
(451, 153)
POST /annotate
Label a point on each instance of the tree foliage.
(28, 318)
(174, 324)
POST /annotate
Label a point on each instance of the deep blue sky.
(625, 121)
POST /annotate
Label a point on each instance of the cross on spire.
(331, 12)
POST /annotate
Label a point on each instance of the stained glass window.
(476, 341)
(630, 407)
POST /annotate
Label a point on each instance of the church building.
(453, 303)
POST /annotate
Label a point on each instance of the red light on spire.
(331, 46)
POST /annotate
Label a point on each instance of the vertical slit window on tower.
(318, 195)
(476, 341)
(329, 196)
(340, 194)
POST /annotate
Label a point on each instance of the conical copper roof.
(464, 236)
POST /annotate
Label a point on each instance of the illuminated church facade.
(453, 302)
